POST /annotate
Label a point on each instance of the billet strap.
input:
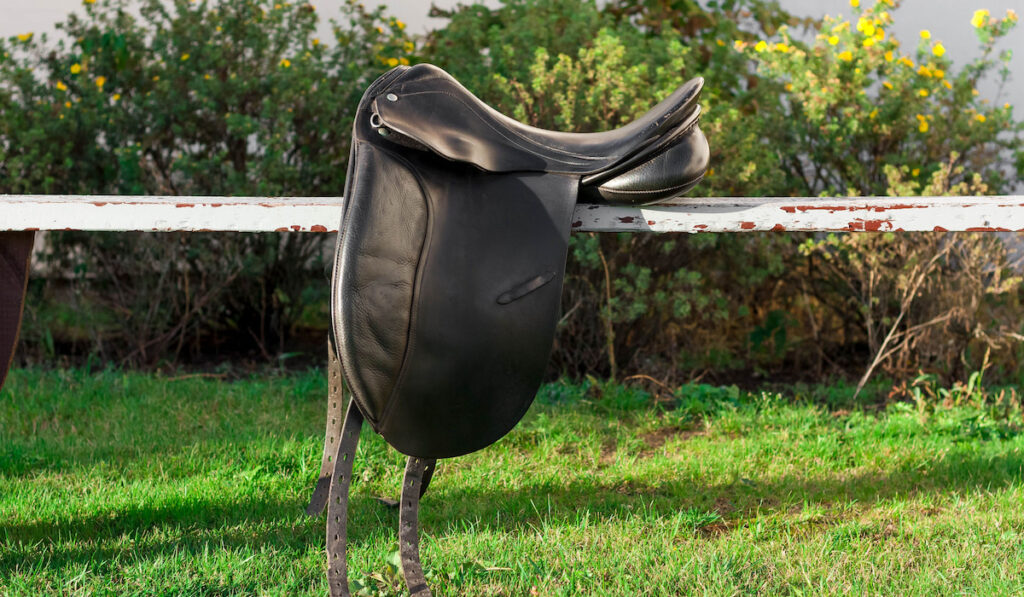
(335, 408)
(15, 251)
(337, 505)
(413, 487)
(428, 474)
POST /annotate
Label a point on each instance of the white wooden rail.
(703, 214)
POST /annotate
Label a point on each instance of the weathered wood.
(703, 214)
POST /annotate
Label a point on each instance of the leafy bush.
(783, 118)
(211, 98)
(241, 98)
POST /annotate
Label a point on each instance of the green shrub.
(210, 98)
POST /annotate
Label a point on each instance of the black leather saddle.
(449, 269)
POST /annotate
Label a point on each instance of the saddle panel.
(428, 106)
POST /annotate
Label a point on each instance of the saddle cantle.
(449, 267)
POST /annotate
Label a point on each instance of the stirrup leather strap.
(413, 486)
(335, 406)
(337, 505)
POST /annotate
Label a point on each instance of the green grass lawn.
(129, 483)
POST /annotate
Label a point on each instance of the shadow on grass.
(525, 508)
(277, 524)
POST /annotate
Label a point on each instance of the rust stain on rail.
(860, 225)
(833, 208)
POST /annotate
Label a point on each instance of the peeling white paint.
(703, 214)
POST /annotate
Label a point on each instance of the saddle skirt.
(453, 244)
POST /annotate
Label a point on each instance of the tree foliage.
(221, 97)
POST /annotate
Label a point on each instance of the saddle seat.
(659, 155)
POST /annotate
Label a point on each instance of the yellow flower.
(975, 92)
(834, 40)
(980, 18)
(781, 47)
(761, 46)
(922, 92)
(855, 3)
(925, 34)
(116, 97)
(207, 76)
(62, 86)
(846, 56)
(286, 63)
(924, 71)
(939, 50)
(1011, 15)
(916, 171)
(720, 42)
(789, 87)
(88, 1)
(409, 46)
(869, 41)
(25, 37)
(399, 24)
(392, 61)
(887, 84)
(316, 41)
(101, 81)
(738, 45)
(938, 73)
(947, 84)
(980, 118)
(156, 77)
(873, 114)
(906, 62)
(921, 117)
(889, 56)
(403, 61)
(76, 68)
(185, 56)
(1006, 105)
(218, 29)
(880, 34)
(67, 104)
